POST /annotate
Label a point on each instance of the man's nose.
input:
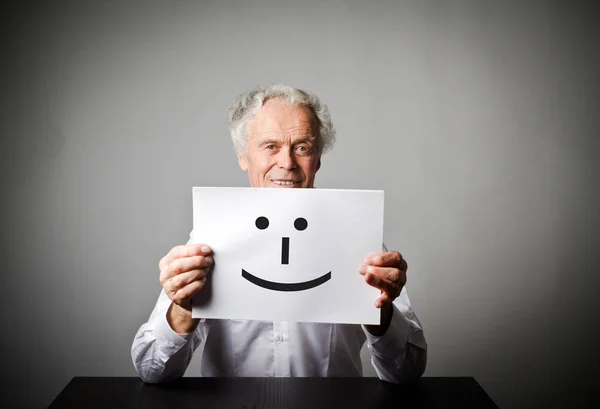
(285, 159)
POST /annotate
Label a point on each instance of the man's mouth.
(285, 182)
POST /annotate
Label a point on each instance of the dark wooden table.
(277, 393)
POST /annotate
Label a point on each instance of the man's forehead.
(277, 114)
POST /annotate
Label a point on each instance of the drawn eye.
(300, 223)
(262, 222)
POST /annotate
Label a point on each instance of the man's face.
(282, 146)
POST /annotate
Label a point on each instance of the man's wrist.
(180, 319)
(386, 318)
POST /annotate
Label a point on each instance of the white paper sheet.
(282, 272)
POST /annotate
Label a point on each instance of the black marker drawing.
(262, 222)
(272, 285)
(285, 250)
(300, 224)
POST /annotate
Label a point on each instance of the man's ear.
(243, 162)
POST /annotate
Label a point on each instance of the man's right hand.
(183, 273)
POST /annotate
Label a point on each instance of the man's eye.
(271, 147)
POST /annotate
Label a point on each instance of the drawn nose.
(285, 250)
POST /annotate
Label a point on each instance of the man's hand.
(387, 272)
(183, 273)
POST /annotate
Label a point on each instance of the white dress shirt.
(280, 348)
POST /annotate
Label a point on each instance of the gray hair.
(248, 104)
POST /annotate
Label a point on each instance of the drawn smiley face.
(300, 224)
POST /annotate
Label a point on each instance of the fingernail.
(203, 279)
(205, 249)
(363, 269)
(208, 260)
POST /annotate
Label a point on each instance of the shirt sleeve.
(400, 354)
(160, 354)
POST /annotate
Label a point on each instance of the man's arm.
(400, 353)
(397, 346)
(159, 353)
(163, 347)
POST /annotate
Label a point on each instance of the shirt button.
(171, 344)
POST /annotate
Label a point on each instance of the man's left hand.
(387, 272)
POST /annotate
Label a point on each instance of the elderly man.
(280, 134)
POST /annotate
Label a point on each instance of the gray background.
(478, 118)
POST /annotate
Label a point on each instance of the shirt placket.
(281, 348)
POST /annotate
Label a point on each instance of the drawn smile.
(272, 285)
(300, 224)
